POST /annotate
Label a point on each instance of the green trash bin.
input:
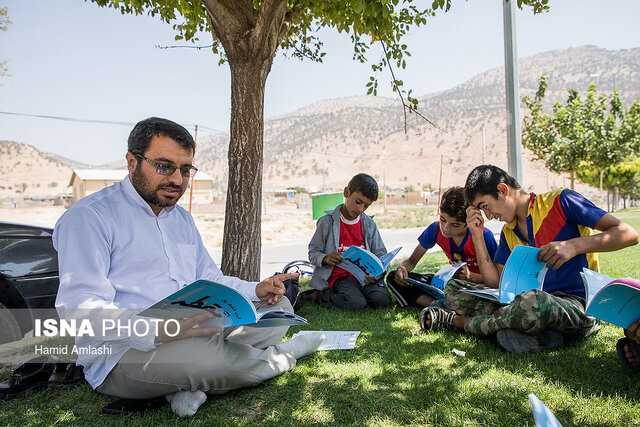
(323, 202)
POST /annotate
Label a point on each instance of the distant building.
(87, 181)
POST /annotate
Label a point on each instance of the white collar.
(349, 221)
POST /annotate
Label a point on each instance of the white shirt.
(115, 253)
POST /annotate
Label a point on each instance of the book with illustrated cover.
(522, 272)
(362, 263)
(434, 287)
(206, 295)
(614, 300)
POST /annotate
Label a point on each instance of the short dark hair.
(364, 184)
(144, 131)
(483, 180)
(454, 204)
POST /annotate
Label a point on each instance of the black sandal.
(67, 374)
(634, 347)
(441, 319)
(124, 407)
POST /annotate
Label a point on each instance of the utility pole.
(514, 146)
(193, 179)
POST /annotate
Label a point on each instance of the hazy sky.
(72, 58)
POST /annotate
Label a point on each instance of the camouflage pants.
(530, 312)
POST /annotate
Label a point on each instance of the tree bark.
(250, 35)
(242, 233)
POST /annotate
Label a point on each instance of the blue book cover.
(616, 301)
(206, 295)
(522, 272)
(362, 263)
(433, 291)
(445, 274)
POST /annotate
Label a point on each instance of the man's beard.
(150, 195)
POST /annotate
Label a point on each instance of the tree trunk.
(242, 234)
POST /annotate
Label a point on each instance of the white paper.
(334, 340)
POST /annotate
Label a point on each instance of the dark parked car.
(28, 277)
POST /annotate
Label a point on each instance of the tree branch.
(294, 11)
(174, 46)
(225, 22)
(405, 107)
(269, 25)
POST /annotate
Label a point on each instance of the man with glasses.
(127, 247)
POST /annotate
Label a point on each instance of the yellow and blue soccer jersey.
(552, 217)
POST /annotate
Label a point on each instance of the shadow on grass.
(397, 375)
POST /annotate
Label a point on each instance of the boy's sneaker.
(515, 341)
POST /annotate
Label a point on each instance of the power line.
(95, 121)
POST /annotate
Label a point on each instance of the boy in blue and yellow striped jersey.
(560, 224)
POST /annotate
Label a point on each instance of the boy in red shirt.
(347, 226)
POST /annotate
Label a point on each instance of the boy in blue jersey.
(559, 223)
(452, 235)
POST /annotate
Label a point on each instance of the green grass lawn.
(399, 376)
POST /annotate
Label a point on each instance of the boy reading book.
(451, 233)
(557, 222)
(347, 226)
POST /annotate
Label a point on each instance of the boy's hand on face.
(332, 259)
(475, 220)
(555, 254)
(633, 332)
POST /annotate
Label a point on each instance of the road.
(275, 257)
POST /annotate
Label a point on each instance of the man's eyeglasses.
(168, 168)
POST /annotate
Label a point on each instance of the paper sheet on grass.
(334, 340)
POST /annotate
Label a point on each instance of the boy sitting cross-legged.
(451, 233)
(347, 226)
(557, 222)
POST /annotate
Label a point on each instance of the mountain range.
(320, 146)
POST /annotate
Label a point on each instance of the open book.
(362, 263)
(446, 273)
(435, 289)
(522, 272)
(614, 300)
(205, 295)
